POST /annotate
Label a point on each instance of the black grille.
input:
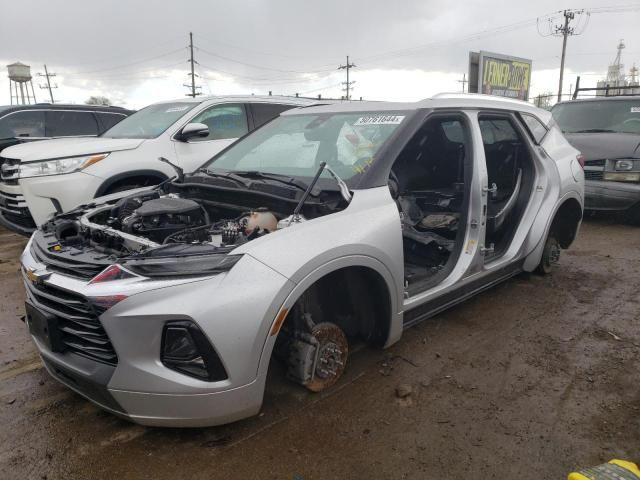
(77, 320)
(9, 168)
(64, 263)
(595, 163)
(593, 174)
(14, 209)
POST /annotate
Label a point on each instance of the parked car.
(607, 132)
(26, 123)
(50, 177)
(329, 226)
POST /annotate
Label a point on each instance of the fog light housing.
(186, 349)
(622, 177)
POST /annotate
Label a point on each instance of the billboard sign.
(497, 74)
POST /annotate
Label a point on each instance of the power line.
(131, 64)
(348, 84)
(48, 86)
(262, 67)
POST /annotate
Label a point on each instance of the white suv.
(43, 178)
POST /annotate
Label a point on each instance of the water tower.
(20, 78)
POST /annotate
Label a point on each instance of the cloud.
(135, 52)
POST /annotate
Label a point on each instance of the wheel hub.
(329, 360)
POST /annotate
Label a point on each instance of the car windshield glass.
(295, 145)
(621, 116)
(149, 122)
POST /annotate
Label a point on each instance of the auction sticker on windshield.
(176, 109)
(635, 109)
(379, 120)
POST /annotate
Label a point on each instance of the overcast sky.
(135, 52)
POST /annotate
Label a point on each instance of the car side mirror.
(193, 130)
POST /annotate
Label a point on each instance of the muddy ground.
(528, 380)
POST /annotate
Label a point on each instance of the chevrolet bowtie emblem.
(34, 276)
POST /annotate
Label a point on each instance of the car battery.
(614, 470)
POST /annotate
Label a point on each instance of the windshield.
(295, 145)
(149, 122)
(622, 116)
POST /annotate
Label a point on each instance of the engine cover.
(159, 218)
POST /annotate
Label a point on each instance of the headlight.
(192, 265)
(624, 165)
(59, 166)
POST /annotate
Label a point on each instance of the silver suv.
(328, 226)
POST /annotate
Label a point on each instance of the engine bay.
(145, 221)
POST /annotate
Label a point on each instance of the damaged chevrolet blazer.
(328, 227)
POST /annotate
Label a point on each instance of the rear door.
(226, 121)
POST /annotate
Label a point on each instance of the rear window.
(535, 127)
(63, 123)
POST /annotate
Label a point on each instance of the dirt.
(529, 380)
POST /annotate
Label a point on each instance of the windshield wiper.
(228, 176)
(595, 130)
(287, 180)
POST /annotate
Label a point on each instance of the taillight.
(580, 159)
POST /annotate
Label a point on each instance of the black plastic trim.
(460, 294)
(128, 174)
(213, 364)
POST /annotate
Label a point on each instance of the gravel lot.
(528, 380)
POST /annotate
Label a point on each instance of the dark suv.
(607, 132)
(23, 123)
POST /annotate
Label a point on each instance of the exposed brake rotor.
(331, 356)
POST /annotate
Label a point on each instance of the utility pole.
(192, 86)
(463, 81)
(565, 30)
(348, 84)
(48, 85)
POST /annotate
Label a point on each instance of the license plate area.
(44, 327)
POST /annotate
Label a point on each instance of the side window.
(536, 127)
(61, 123)
(265, 112)
(108, 120)
(497, 130)
(23, 124)
(224, 121)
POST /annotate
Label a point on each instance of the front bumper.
(14, 212)
(45, 196)
(235, 310)
(612, 196)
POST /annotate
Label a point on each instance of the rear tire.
(550, 255)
